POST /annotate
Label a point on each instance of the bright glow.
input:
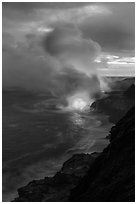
(80, 101)
(79, 104)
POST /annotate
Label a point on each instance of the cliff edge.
(111, 177)
(115, 103)
(98, 177)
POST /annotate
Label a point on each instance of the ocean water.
(38, 137)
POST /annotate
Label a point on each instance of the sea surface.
(38, 137)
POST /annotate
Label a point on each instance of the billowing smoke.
(67, 44)
(62, 63)
(76, 55)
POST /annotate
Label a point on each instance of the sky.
(111, 25)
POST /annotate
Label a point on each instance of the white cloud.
(110, 64)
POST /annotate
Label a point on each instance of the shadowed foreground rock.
(99, 177)
(112, 175)
(116, 103)
(57, 188)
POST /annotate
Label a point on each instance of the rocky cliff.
(98, 177)
(111, 176)
(57, 188)
(116, 103)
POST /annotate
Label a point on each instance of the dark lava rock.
(119, 84)
(99, 177)
(115, 104)
(111, 177)
(57, 188)
(130, 92)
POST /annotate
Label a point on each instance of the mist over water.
(38, 137)
(49, 83)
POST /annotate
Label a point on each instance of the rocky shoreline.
(99, 177)
(116, 103)
(57, 188)
(111, 177)
(107, 176)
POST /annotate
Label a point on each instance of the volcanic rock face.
(111, 177)
(57, 188)
(99, 177)
(116, 103)
(130, 92)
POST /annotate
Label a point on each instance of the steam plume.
(66, 68)
(67, 44)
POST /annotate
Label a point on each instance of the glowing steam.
(79, 104)
(67, 44)
(79, 101)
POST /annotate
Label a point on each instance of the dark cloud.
(116, 31)
(111, 38)
(27, 6)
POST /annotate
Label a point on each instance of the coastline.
(79, 172)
